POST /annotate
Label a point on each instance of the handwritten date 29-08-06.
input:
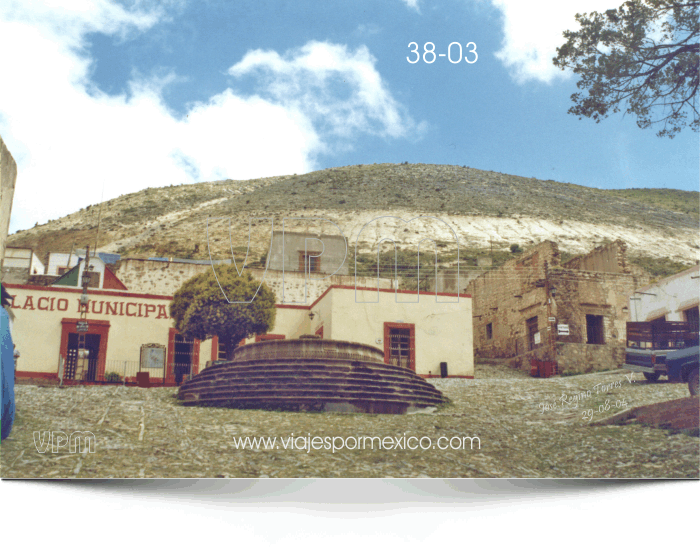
(454, 54)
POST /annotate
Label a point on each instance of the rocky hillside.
(488, 211)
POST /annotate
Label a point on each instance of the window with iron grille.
(489, 331)
(399, 345)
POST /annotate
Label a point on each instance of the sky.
(106, 97)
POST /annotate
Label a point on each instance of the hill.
(488, 210)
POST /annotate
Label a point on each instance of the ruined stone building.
(574, 313)
(302, 252)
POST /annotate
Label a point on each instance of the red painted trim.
(111, 282)
(91, 291)
(266, 337)
(155, 381)
(37, 375)
(411, 345)
(91, 322)
(214, 348)
(170, 370)
(319, 332)
(99, 327)
(385, 290)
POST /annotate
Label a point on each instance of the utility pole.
(82, 324)
(551, 326)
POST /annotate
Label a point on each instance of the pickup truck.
(651, 345)
(682, 367)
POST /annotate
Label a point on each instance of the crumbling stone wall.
(608, 258)
(332, 249)
(536, 285)
(581, 293)
(506, 297)
(581, 358)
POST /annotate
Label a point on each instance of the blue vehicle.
(682, 367)
(651, 344)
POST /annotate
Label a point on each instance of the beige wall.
(37, 332)
(443, 331)
(8, 176)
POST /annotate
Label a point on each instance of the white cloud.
(413, 4)
(533, 31)
(338, 90)
(70, 139)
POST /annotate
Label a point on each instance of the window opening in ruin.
(312, 259)
(594, 329)
(532, 329)
(489, 331)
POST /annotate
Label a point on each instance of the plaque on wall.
(152, 355)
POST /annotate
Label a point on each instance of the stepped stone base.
(310, 375)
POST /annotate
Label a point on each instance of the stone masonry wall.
(581, 293)
(582, 358)
(506, 298)
(166, 277)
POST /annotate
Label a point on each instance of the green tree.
(643, 55)
(200, 309)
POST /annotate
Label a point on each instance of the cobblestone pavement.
(526, 428)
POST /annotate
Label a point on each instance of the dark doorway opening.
(182, 360)
(531, 325)
(594, 330)
(92, 344)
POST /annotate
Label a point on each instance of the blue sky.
(111, 97)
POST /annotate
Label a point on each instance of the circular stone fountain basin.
(310, 375)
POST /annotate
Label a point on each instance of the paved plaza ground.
(526, 427)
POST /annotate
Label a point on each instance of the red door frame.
(215, 347)
(170, 372)
(98, 327)
(411, 341)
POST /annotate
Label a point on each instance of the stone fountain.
(310, 374)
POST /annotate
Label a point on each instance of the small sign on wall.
(563, 329)
(152, 355)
